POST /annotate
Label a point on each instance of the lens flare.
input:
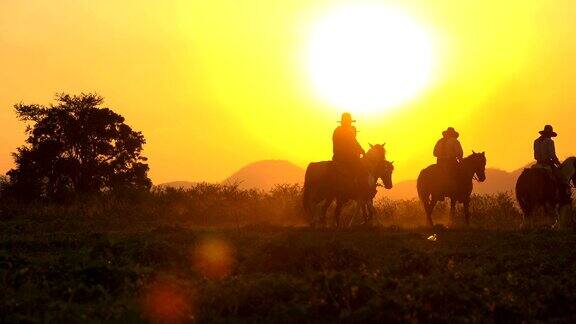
(164, 301)
(213, 258)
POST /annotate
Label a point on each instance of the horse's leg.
(357, 214)
(563, 216)
(323, 211)
(452, 212)
(525, 211)
(365, 211)
(311, 211)
(536, 214)
(348, 218)
(565, 219)
(550, 211)
(560, 221)
(429, 210)
(371, 210)
(337, 212)
(467, 211)
(529, 220)
(524, 222)
(556, 216)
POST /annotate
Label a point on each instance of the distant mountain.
(401, 190)
(258, 175)
(496, 181)
(266, 174)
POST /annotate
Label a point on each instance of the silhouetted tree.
(76, 146)
(4, 184)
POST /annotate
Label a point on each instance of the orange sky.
(217, 84)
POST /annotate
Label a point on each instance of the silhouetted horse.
(537, 187)
(326, 181)
(434, 183)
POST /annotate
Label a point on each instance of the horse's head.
(385, 169)
(376, 156)
(377, 152)
(574, 174)
(568, 167)
(478, 163)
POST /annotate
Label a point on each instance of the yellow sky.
(214, 85)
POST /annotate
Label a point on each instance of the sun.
(369, 58)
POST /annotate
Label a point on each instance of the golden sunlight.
(369, 58)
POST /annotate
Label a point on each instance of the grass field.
(127, 262)
(288, 275)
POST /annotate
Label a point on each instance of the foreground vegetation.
(216, 254)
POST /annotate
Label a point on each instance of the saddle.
(449, 175)
(345, 171)
(548, 170)
(541, 166)
(342, 168)
(564, 192)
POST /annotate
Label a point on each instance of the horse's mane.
(570, 160)
(474, 154)
(374, 154)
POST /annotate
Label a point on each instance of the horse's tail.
(527, 190)
(423, 192)
(312, 179)
(518, 189)
(318, 182)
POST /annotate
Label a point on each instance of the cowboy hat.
(450, 132)
(347, 117)
(548, 131)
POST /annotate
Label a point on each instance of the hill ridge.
(265, 174)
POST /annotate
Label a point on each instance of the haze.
(214, 85)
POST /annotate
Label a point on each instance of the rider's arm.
(552, 152)
(360, 149)
(459, 151)
(358, 146)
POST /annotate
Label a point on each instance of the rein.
(474, 176)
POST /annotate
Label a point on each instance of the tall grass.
(496, 211)
(228, 205)
(112, 256)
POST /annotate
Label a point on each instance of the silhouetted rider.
(544, 149)
(345, 147)
(448, 150)
(545, 156)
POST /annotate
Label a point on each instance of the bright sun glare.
(369, 58)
